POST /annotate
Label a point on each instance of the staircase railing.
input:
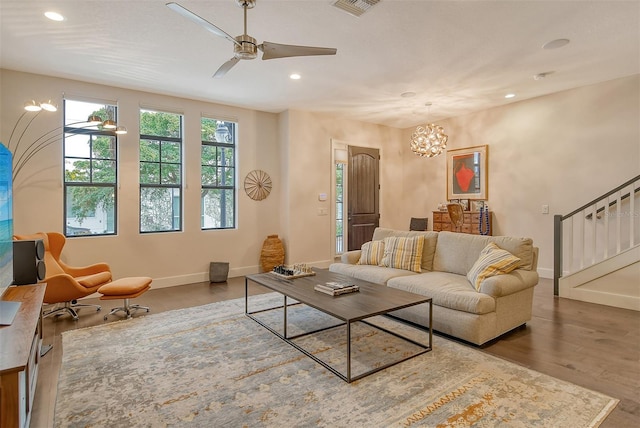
(585, 236)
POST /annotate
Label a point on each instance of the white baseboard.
(545, 273)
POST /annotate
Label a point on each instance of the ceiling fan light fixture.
(245, 48)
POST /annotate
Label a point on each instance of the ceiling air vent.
(355, 7)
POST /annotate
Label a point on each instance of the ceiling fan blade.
(275, 50)
(226, 67)
(200, 21)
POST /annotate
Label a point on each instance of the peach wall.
(308, 234)
(170, 258)
(562, 150)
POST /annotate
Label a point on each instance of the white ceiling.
(463, 56)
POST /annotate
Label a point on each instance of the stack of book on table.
(336, 288)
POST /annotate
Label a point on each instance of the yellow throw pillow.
(403, 252)
(493, 261)
(371, 253)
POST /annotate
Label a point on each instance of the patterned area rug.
(211, 366)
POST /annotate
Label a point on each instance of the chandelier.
(429, 140)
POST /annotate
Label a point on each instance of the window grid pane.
(90, 170)
(218, 174)
(160, 171)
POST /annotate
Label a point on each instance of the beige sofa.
(502, 303)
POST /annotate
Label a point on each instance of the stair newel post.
(557, 252)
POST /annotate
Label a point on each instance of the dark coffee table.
(372, 300)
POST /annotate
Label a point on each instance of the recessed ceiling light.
(295, 76)
(408, 94)
(54, 16)
(510, 96)
(555, 44)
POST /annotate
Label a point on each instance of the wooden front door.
(363, 195)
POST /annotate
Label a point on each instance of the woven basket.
(272, 253)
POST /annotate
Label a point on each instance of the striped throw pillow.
(403, 253)
(493, 261)
(371, 253)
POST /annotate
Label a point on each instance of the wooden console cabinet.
(20, 345)
(441, 221)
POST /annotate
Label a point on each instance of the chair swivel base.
(69, 307)
(128, 309)
(126, 289)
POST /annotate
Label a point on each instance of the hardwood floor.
(594, 346)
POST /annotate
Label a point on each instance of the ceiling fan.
(245, 46)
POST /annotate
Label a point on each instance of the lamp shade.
(49, 106)
(94, 120)
(109, 124)
(32, 106)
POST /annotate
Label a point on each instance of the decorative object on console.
(257, 185)
(467, 173)
(456, 215)
(429, 140)
(22, 156)
(484, 226)
(272, 253)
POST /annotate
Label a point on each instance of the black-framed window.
(90, 169)
(160, 171)
(218, 174)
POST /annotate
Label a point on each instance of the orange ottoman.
(125, 288)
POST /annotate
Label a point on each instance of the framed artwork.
(476, 205)
(467, 173)
(465, 204)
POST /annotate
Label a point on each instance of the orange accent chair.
(66, 284)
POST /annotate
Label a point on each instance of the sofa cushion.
(457, 252)
(403, 253)
(375, 274)
(428, 250)
(446, 289)
(493, 261)
(371, 253)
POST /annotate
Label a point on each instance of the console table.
(20, 345)
(441, 221)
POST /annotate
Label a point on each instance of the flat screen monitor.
(7, 309)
